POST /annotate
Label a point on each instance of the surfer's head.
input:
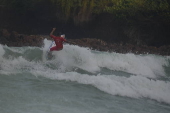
(63, 36)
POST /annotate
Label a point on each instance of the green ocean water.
(79, 80)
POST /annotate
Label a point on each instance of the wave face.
(127, 75)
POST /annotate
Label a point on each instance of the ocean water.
(80, 80)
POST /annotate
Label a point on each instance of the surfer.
(58, 41)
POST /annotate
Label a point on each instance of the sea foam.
(2, 52)
(133, 86)
(140, 67)
(151, 66)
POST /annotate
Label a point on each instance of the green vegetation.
(137, 20)
(83, 9)
(124, 9)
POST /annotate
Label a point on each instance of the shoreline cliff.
(15, 39)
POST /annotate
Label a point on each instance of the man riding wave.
(58, 41)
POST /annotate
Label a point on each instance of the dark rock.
(100, 45)
(5, 33)
(18, 40)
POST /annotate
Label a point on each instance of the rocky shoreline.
(97, 44)
(18, 40)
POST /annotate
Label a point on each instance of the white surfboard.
(51, 45)
(49, 54)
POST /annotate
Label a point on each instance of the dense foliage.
(84, 8)
(136, 19)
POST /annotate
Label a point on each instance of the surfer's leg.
(56, 48)
(53, 48)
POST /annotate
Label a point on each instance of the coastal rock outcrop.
(97, 44)
(17, 40)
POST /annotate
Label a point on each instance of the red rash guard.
(59, 43)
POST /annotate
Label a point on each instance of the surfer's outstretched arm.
(52, 31)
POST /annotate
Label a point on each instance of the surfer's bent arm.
(52, 31)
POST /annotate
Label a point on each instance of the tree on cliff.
(82, 10)
(140, 18)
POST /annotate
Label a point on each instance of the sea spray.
(2, 52)
(74, 64)
(151, 66)
(75, 56)
(145, 65)
(133, 86)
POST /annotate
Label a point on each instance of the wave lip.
(72, 57)
(133, 86)
(66, 62)
(2, 52)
